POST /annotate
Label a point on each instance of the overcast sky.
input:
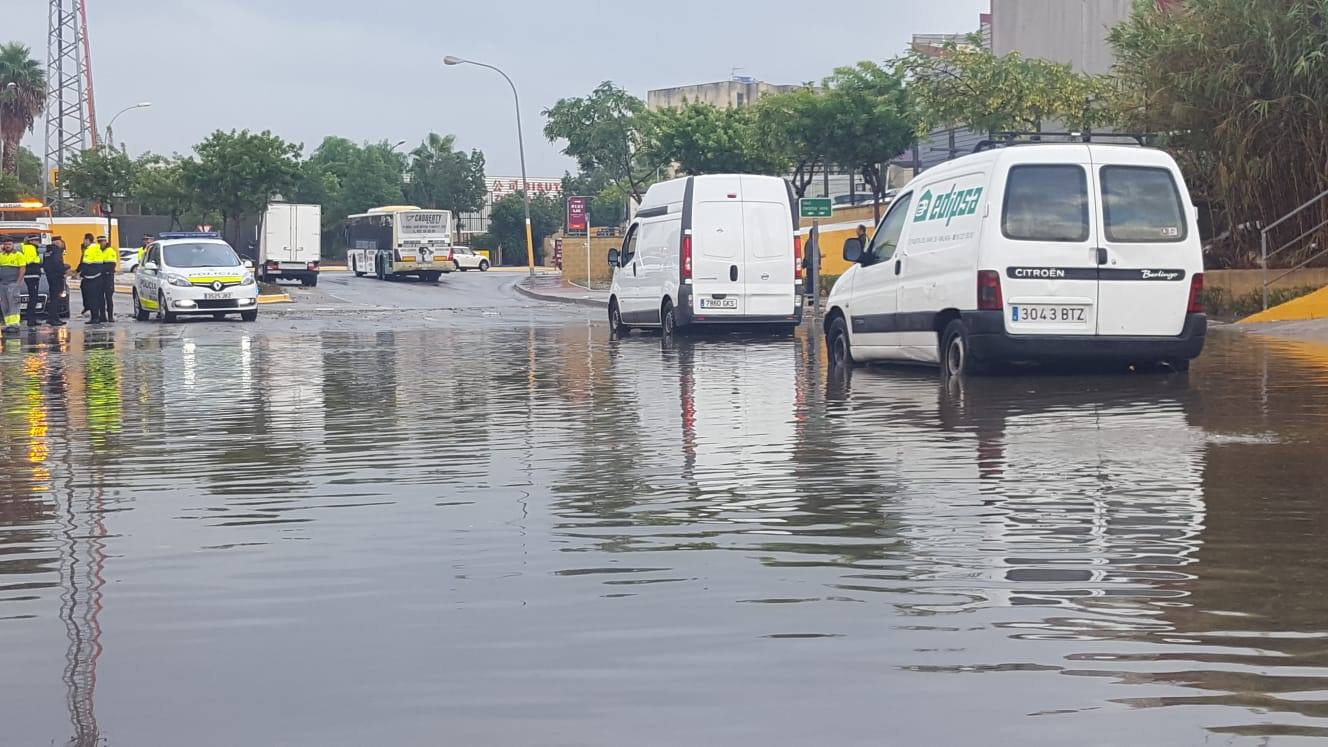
(371, 70)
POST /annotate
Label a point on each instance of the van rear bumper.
(687, 316)
(988, 341)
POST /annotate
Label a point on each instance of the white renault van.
(715, 249)
(1028, 253)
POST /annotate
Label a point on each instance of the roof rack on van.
(1006, 139)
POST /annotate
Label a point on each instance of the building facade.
(1071, 32)
(498, 187)
(726, 94)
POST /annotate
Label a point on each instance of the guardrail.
(1263, 243)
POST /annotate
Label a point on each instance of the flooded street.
(509, 529)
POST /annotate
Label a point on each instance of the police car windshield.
(200, 255)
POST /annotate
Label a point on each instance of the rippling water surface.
(534, 535)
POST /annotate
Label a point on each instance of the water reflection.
(478, 532)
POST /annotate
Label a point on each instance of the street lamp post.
(110, 136)
(521, 149)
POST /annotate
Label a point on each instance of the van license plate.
(719, 303)
(1046, 314)
(216, 296)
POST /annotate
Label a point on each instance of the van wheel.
(616, 325)
(837, 344)
(955, 354)
(668, 320)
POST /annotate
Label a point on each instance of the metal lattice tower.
(71, 122)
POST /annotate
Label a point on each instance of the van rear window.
(1046, 203)
(1141, 204)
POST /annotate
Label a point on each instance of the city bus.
(392, 242)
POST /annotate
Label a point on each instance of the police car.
(194, 274)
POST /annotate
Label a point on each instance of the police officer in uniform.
(110, 264)
(53, 263)
(91, 271)
(32, 278)
(12, 266)
(143, 250)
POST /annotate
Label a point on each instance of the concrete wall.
(1072, 32)
(574, 259)
(724, 94)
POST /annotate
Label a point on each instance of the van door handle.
(899, 266)
(733, 273)
(1101, 255)
(633, 269)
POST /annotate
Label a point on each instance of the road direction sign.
(815, 207)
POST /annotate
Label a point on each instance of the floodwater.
(530, 534)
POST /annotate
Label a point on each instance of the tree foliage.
(508, 225)
(602, 132)
(20, 106)
(699, 138)
(608, 204)
(159, 188)
(1240, 90)
(967, 86)
(444, 178)
(101, 174)
(797, 126)
(10, 188)
(868, 111)
(347, 178)
(237, 173)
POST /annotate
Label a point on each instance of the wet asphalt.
(399, 513)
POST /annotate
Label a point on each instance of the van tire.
(616, 325)
(837, 344)
(955, 354)
(668, 319)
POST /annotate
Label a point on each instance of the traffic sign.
(815, 207)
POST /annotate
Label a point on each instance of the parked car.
(128, 260)
(715, 249)
(465, 258)
(1028, 253)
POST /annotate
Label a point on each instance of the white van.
(715, 249)
(1028, 253)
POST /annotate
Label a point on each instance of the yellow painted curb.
(278, 298)
(1310, 306)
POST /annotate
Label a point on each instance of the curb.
(593, 303)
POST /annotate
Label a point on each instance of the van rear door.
(718, 249)
(1152, 250)
(770, 274)
(1047, 254)
(307, 236)
(279, 234)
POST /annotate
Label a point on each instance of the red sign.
(578, 216)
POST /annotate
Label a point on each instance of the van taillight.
(686, 257)
(989, 291)
(797, 257)
(1196, 294)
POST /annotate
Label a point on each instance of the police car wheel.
(165, 316)
(249, 316)
(140, 314)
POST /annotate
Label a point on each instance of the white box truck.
(290, 240)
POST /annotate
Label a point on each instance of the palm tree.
(23, 103)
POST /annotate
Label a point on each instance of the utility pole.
(70, 120)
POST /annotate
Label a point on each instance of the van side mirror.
(613, 257)
(853, 250)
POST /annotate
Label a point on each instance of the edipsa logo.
(953, 204)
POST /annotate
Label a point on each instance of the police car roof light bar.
(188, 235)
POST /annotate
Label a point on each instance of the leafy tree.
(239, 172)
(11, 190)
(22, 104)
(100, 174)
(1241, 90)
(346, 178)
(867, 109)
(444, 178)
(968, 86)
(703, 139)
(159, 187)
(603, 133)
(507, 227)
(797, 125)
(608, 204)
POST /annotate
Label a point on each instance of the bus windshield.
(201, 255)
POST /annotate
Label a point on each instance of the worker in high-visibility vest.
(32, 278)
(12, 267)
(143, 251)
(110, 264)
(91, 272)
